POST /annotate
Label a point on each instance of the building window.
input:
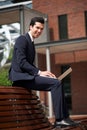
(63, 30)
(66, 82)
(86, 22)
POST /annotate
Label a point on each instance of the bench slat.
(21, 112)
(15, 90)
(16, 102)
(22, 123)
(21, 109)
(9, 107)
(21, 117)
(30, 128)
(19, 96)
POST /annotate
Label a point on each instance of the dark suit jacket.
(22, 67)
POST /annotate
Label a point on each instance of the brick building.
(67, 22)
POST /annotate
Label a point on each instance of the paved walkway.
(82, 125)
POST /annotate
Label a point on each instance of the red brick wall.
(79, 88)
(70, 57)
(74, 10)
(76, 27)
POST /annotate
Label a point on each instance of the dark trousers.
(48, 84)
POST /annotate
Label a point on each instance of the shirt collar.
(31, 36)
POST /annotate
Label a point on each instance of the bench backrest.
(20, 109)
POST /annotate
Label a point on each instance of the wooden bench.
(20, 109)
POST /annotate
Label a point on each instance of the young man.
(23, 72)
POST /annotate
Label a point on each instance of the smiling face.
(36, 30)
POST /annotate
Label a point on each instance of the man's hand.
(47, 74)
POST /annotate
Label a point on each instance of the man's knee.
(57, 82)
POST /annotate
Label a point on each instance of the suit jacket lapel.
(31, 44)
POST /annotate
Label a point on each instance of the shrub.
(4, 81)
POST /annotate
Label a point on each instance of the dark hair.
(37, 19)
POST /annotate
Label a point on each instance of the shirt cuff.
(39, 72)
